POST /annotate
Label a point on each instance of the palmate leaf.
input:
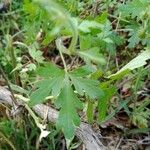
(49, 70)
(88, 86)
(68, 117)
(45, 88)
(60, 85)
(49, 85)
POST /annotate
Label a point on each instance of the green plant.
(69, 54)
(62, 83)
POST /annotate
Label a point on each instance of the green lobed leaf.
(35, 53)
(106, 31)
(45, 88)
(102, 18)
(49, 70)
(135, 7)
(82, 71)
(140, 119)
(97, 74)
(68, 117)
(134, 37)
(88, 86)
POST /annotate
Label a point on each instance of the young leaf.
(68, 117)
(93, 55)
(87, 86)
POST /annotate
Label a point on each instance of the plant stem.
(63, 60)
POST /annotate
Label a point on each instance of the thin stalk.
(36, 119)
(108, 61)
(119, 18)
(63, 60)
(117, 25)
(37, 122)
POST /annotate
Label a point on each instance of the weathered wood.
(84, 132)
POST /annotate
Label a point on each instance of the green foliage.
(87, 86)
(35, 53)
(135, 7)
(82, 71)
(90, 111)
(103, 102)
(47, 86)
(141, 114)
(137, 62)
(138, 27)
(134, 36)
(49, 70)
(68, 117)
(93, 55)
(33, 48)
(60, 87)
(86, 25)
(140, 118)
